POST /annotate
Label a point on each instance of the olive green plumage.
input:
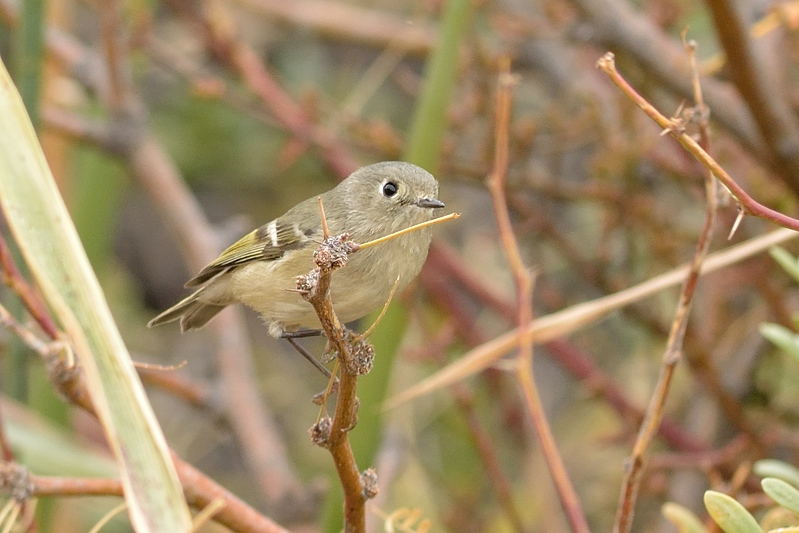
(261, 268)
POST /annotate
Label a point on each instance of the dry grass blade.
(578, 316)
(451, 216)
(207, 514)
(108, 516)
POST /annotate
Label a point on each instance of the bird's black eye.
(389, 189)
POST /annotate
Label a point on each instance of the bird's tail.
(192, 313)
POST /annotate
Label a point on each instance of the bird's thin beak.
(430, 202)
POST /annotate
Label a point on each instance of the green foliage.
(781, 337)
(29, 52)
(38, 218)
(430, 118)
(682, 518)
(777, 469)
(788, 262)
(731, 516)
(782, 493)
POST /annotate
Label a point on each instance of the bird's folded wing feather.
(267, 243)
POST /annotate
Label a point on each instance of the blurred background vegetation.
(258, 104)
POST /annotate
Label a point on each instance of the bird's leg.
(301, 334)
(306, 354)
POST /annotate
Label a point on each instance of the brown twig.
(113, 32)
(315, 287)
(674, 128)
(69, 486)
(178, 385)
(354, 357)
(29, 297)
(671, 356)
(524, 286)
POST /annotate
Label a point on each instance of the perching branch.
(355, 357)
(674, 346)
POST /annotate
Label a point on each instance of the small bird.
(260, 269)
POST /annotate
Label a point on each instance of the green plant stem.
(29, 55)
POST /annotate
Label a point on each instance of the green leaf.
(47, 450)
(782, 493)
(777, 469)
(684, 520)
(788, 262)
(730, 515)
(430, 117)
(46, 236)
(783, 338)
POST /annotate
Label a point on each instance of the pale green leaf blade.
(786, 261)
(683, 519)
(782, 493)
(47, 238)
(777, 469)
(731, 516)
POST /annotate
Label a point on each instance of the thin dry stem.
(29, 297)
(14, 510)
(345, 415)
(371, 328)
(351, 23)
(6, 452)
(674, 128)
(323, 218)
(380, 240)
(618, 24)
(671, 357)
(524, 287)
(577, 316)
(108, 516)
(180, 386)
(759, 84)
(207, 514)
(328, 390)
(44, 349)
(63, 486)
(113, 33)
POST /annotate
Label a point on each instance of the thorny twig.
(673, 352)
(354, 357)
(674, 128)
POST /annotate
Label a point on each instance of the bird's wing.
(267, 243)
